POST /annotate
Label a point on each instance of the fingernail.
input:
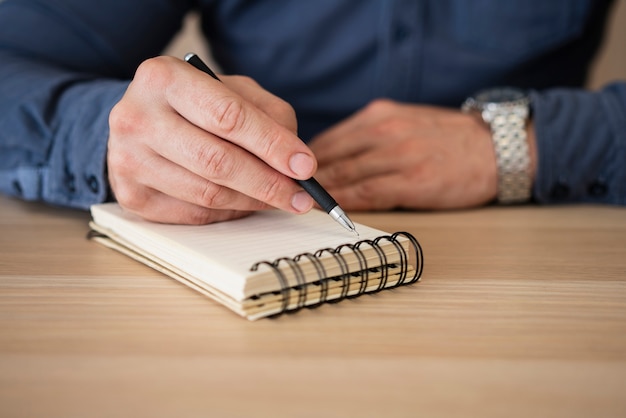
(302, 165)
(302, 202)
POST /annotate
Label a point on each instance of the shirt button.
(93, 184)
(598, 188)
(17, 188)
(70, 183)
(560, 190)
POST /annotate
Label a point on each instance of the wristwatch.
(506, 110)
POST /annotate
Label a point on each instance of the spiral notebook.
(268, 263)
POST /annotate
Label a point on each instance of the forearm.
(64, 66)
(581, 145)
(53, 137)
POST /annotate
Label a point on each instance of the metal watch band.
(508, 129)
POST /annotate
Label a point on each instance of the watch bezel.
(500, 95)
(487, 103)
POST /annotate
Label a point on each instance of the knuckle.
(279, 106)
(216, 163)
(122, 169)
(121, 158)
(284, 114)
(379, 105)
(268, 143)
(272, 105)
(155, 72)
(212, 196)
(198, 217)
(229, 115)
(127, 197)
(119, 162)
(124, 120)
(270, 189)
(203, 216)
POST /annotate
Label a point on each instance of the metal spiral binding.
(364, 270)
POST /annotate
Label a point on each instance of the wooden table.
(521, 312)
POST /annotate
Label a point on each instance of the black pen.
(311, 186)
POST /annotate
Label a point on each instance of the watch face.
(500, 95)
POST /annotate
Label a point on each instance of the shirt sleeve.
(581, 145)
(64, 65)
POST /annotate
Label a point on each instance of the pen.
(311, 186)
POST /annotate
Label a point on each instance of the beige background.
(610, 64)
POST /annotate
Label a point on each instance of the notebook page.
(221, 254)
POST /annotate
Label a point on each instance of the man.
(376, 88)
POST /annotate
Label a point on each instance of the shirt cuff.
(581, 145)
(76, 175)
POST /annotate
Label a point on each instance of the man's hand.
(392, 155)
(185, 148)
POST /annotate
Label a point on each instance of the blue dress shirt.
(65, 63)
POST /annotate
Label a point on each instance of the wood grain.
(521, 312)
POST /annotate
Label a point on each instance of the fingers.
(221, 163)
(274, 107)
(422, 188)
(372, 193)
(182, 144)
(177, 182)
(364, 128)
(365, 163)
(159, 207)
(392, 155)
(369, 143)
(212, 106)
